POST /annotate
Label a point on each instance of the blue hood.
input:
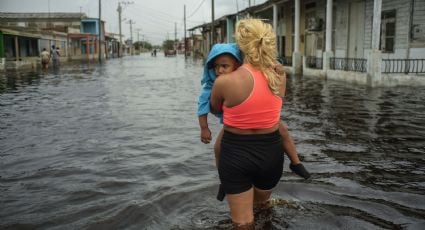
(219, 49)
(209, 76)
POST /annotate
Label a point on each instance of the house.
(24, 35)
(195, 44)
(223, 33)
(372, 42)
(18, 48)
(85, 43)
(112, 45)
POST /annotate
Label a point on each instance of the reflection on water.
(115, 146)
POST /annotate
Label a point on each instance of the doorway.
(356, 29)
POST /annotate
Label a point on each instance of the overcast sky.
(154, 19)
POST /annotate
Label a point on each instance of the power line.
(196, 10)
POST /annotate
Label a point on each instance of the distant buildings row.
(374, 42)
(24, 35)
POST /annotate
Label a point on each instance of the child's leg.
(217, 147)
(288, 144)
(217, 152)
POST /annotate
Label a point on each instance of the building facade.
(24, 35)
(374, 42)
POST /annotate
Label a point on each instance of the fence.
(349, 64)
(314, 62)
(403, 66)
(286, 61)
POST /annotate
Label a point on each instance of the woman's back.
(249, 105)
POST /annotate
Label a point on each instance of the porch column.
(296, 56)
(375, 59)
(230, 30)
(88, 47)
(17, 48)
(97, 46)
(275, 26)
(328, 49)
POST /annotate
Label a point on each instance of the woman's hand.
(279, 69)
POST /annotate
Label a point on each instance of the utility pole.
(126, 3)
(212, 24)
(185, 42)
(175, 36)
(131, 36)
(138, 40)
(100, 31)
(119, 25)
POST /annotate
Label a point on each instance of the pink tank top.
(261, 110)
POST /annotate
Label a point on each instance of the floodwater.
(116, 146)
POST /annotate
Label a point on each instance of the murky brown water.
(116, 147)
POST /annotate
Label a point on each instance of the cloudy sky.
(155, 20)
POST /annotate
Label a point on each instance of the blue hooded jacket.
(209, 76)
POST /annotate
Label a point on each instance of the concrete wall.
(312, 72)
(341, 28)
(2, 63)
(23, 63)
(349, 77)
(403, 80)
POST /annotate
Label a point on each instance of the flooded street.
(116, 146)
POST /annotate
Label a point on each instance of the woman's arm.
(282, 90)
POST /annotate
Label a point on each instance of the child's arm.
(203, 110)
(205, 131)
(204, 99)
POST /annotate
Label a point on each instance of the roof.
(92, 20)
(58, 15)
(267, 4)
(20, 33)
(216, 21)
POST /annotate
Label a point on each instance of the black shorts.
(250, 160)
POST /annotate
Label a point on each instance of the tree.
(168, 45)
(142, 44)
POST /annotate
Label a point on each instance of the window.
(388, 20)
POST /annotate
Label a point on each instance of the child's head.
(225, 63)
(216, 65)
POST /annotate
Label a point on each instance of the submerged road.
(116, 146)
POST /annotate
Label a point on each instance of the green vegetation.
(168, 45)
(142, 45)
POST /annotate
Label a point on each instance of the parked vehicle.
(169, 53)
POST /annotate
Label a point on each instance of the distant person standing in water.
(45, 58)
(55, 54)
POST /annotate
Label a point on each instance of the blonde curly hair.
(257, 41)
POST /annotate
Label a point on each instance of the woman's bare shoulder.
(230, 79)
